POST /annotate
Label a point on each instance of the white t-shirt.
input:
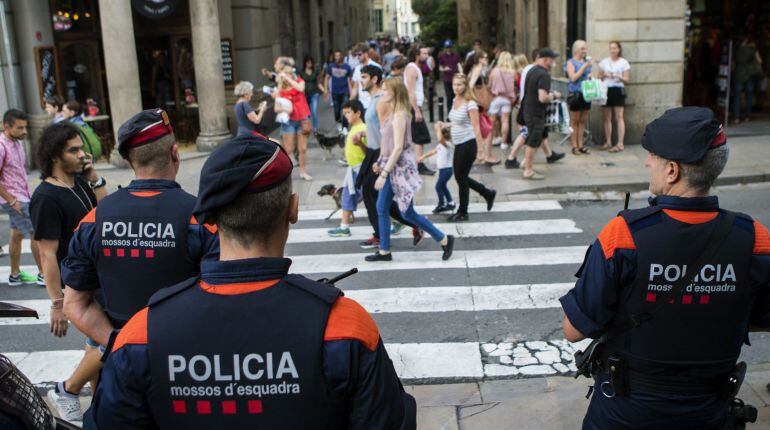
(444, 155)
(419, 94)
(524, 72)
(462, 128)
(363, 96)
(614, 68)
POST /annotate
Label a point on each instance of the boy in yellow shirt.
(355, 147)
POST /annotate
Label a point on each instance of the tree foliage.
(438, 19)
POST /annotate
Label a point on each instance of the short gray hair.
(243, 88)
(702, 175)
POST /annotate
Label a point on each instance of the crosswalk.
(491, 311)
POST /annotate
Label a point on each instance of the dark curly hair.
(52, 143)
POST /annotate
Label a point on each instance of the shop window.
(74, 16)
(80, 65)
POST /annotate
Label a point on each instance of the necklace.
(87, 208)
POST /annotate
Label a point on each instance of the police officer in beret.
(245, 344)
(671, 291)
(139, 239)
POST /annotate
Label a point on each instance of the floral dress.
(404, 179)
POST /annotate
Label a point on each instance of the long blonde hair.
(520, 60)
(396, 87)
(468, 94)
(505, 62)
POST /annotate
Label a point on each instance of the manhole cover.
(608, 164)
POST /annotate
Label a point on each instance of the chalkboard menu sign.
(47, 72)
(723, 79)
(228, 70)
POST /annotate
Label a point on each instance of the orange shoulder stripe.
(145, 193)
(761, 239)
(616, 235)
(349, 320)
(237, 288)
(193, 221)
(134, 332)
(691, 217)
(89, 218)
(212, 228)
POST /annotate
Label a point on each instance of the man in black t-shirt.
(537, 95)
(70, 189)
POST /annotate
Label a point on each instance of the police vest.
(701, 331)
(252, 360)
(141, 247)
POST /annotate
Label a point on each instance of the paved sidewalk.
(542, 403)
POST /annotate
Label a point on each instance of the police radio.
(339, 277)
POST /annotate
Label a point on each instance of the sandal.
(617, 148)
(576, 151)
(604, 147)
(305, 177)
(584, 150)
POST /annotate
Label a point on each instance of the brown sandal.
(617, 148)
(605, 147)
(584, 150)
(576, 151)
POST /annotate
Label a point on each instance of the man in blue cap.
(671, 291)
(139, 239)
(448, 63)
(245, 344)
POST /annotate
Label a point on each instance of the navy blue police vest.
(252, 360)
(701, 332)
(141, 247)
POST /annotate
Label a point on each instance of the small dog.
(336, 195)
(329, 142)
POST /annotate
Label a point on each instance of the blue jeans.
(444, 175)
(337, 101)
(748, 101)
(312, 101)
(384, 199)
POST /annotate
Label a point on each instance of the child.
(443, 152)
(355, 147)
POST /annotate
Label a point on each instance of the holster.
(733, 383)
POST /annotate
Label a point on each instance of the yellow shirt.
(355, 154)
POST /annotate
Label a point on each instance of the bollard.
(430, 102)
(441, 109)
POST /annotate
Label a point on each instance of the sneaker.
(512, 164)
(417, 236)
(504, 145)
(448, 248)
(425, 170)
(40, 280)
(444, 208)
(342, 162)
(370, 243)
(21, 279)
(491, 199)
(534, 176)
(379, 257)
(66, 405)
(458, 217)
(395, 228)
(554, 157)
(339, 232)
(497, 141)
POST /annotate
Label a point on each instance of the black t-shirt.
(56, 212)
(537, 79)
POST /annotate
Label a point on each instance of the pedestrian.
(537, 95)
(449, 62)
(466, 132)
(502, 84)
(15, 195)
(748, 68)
(477, 50)
(397, 169)
(443, 152)
(339, 74)
(413, 79)
(578, 70)
(371, 78)
(655, 273)
(355, 147)
(397, 70)
(53, 107)
(353, 58)
(248, 119)
(70, 190)
(73, 113)
(314, 356)
(292, 87)
(313, 88)
(522, 68)
(358, 92)
(615, 73)
(389, 58)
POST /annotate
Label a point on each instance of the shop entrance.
(726, 62)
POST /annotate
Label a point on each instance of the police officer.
(140, 238)
(670, 345)
(246, 345)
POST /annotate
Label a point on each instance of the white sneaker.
(68, 407)
(504, 145)
(497, 141)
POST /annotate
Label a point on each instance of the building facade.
(394, 18)
(119, 57)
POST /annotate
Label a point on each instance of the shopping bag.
(591, 89)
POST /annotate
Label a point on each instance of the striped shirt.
(462, 129)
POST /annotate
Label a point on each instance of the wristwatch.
(98, 183)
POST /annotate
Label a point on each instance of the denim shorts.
(349, 202)
(94, 344)
(292, 127)
(21, 222)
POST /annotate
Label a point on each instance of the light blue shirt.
(372, 123)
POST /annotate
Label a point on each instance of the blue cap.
(448, 43)
(684, 134)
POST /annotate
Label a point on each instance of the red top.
(299, 108)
